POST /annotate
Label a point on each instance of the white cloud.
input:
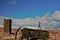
(1, 25)
(47, 21)
(56, 15)
(12, 2)
(1, 20)
(45, 18)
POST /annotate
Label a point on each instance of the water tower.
(7, 25)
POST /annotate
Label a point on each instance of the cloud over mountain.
(47, 21)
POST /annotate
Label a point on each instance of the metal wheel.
(18, 34)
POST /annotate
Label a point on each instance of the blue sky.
(28, 8)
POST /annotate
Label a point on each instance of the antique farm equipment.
(32, 33)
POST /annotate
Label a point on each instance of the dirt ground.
(6, 36)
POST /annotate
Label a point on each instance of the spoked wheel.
(18, 37)
(18, 34)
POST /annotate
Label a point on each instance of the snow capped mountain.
(47, 21)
